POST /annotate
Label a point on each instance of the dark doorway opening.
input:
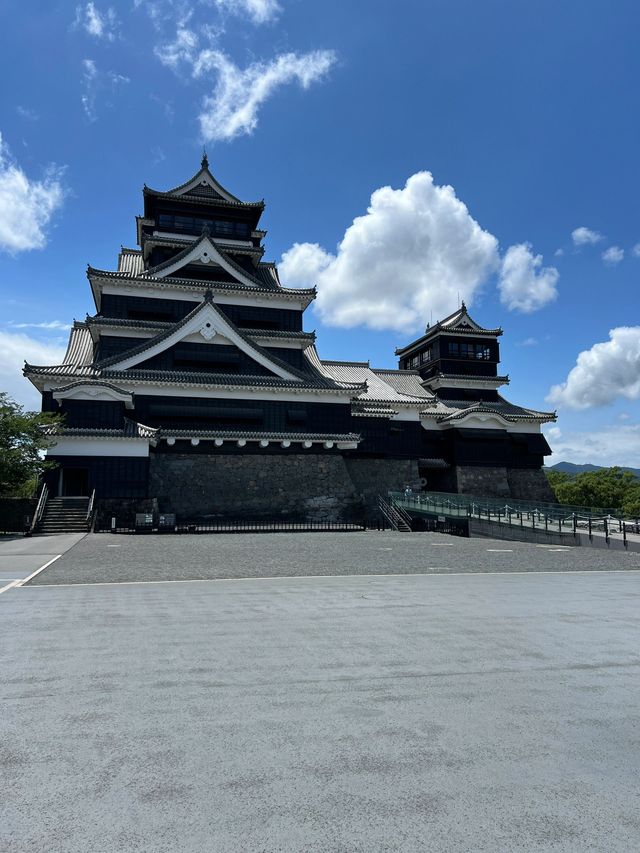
(75, 482)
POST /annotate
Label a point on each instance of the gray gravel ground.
(355, 714)
(108, 558)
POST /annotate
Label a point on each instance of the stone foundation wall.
(313, 487)
(489, 482)
(523, 484)
(371, 477)
(530, 484)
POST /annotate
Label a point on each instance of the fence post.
(590, 532)
(624, 533)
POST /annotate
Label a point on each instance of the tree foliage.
(608, 487)
(22, 442)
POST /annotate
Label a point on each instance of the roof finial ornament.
(463, 306)
(205, 160)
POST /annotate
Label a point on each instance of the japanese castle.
(196, 385)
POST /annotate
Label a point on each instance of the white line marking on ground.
(500, 550)
(18, 583)
(428, 574)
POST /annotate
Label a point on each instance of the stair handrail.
(42, 502)
(387, 512)
(404, 515)
(90, 507)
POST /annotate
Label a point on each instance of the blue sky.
(527, 111)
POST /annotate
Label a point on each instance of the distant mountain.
(571, 468)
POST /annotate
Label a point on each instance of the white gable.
(205, 252)
(208, 323)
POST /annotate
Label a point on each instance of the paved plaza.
(443, 695)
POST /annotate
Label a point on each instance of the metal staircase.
(65, 515)
(397, 517)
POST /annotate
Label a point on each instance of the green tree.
(631, 504)
(608, 487)
(22, 442)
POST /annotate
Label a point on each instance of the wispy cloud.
(258, 11)
(100, 25)
(27, 206)
(54, 325)
(232, 110)
(27, 113)
(617, 444)
(97, 82)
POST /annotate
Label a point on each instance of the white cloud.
(53, 324)
(232, 109)
(259, 11)
(530, 342)
(559, 253)
(95, 82)
(603, 373)
(415, 251)
(613, 255)
(636, 250)
(26, 206)
(182, 49)
(524, 284)
(585, 236)
(89, 77)
(15, 349)
(100, 25)
(27, 113)
(613, 445)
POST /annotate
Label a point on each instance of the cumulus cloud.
(232, 109)
(26, 205)
(602, 374)
(15, 349)
(585, 236)
(414, 251)
(636, 250)
(524, 284)
(259, 11)
(100, 25)
(613, 445)
(27, 113)
(613, 255)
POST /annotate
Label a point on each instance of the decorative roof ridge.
(392, 370)
(213, 182)
(346, 363)
(192, 239)
(125, 323)
(257, 435)
(93, 382)
(130, 251)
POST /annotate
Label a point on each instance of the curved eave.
(192, 283)
(182, 379)
(208, 201)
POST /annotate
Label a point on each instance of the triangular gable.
(204, 178)
(207, 322)
(460, 318)
(204, 251)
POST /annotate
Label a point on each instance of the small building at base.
(196, 385)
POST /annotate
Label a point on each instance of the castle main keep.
(196, 384)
